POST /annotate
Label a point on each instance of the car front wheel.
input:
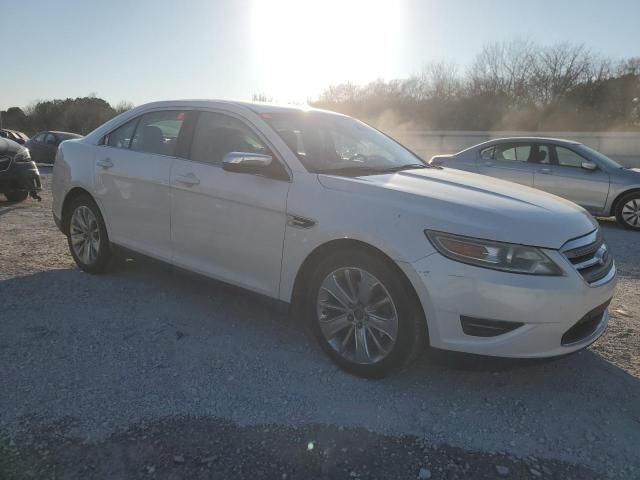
(365, 314)
(87, 236)
(628, 211)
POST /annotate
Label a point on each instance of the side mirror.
(243, 162)
(589, 166)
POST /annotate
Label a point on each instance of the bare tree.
(558, 69)
(504, 69)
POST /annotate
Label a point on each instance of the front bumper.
(546, 307)
(20, 177)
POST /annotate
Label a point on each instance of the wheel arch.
(616, 201)
(321, 251)
(71, 195)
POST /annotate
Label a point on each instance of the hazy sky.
(143, 50)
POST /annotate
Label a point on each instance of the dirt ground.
(147, 372)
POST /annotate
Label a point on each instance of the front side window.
(121, 136)
(523, 152)
(40, 138)
(51, 139)
(216, 135)
(568, 158)
(157, 132)
(327, 143)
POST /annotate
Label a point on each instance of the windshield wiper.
(410, 166)
(363, 171)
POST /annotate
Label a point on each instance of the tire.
(16, 196)
(383, 354)
(87, 235)
(628, 211)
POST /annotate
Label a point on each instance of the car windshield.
(334, 144)
(600, 156)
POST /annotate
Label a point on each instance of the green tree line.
(77, 115)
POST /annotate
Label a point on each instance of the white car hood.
(474, 205)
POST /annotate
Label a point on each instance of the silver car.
(562, 167)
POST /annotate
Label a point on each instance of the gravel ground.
(113, 376)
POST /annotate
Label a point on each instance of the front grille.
(5, 162)
(586, 326)
(590, 257)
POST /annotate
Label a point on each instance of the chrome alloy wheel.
(357, 315)
(631, 212)
(85, 234)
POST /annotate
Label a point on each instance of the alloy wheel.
(631, 212)
(84, 233)
(357, 316)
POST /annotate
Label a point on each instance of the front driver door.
(229, 226)
(508, 161)
(565, 177)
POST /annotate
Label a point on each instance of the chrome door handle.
(105, 163)
(188, 180)
(544, 170)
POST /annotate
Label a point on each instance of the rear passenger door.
(228, 225)
(564, 176)
(132, 172)
(507, 161)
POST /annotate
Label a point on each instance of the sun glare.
(301, 47)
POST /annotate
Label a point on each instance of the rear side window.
(487, 154)
(121, 136)
(217, 134)
(158, 132)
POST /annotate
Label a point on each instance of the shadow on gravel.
(146, 341)
(8, 208)
(205, 448)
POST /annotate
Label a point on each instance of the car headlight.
(23, 156)
(507, 257)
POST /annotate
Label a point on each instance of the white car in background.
(380, 252)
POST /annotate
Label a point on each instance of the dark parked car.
(44, 145)
(15, 135)
(19, 176)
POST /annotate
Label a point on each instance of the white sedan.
(381, 253)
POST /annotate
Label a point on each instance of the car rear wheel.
(87, 236)
(628, 211)
(16, 196)
(365, 315)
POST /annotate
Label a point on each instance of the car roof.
(63, 133)
(529, 139)
(257, 107)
